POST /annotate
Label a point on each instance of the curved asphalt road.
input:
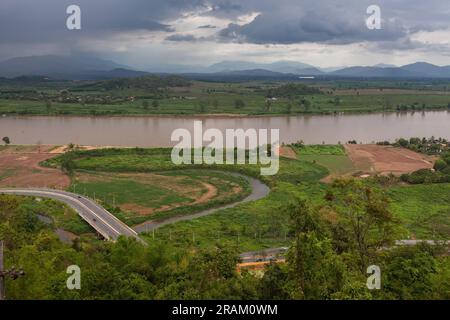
(259, 191)
(101, 220)
(110, 227)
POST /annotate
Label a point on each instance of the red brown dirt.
(19, 167)
(387, 159)
(288, 152)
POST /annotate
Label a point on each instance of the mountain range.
(65, 67)
(81, 67)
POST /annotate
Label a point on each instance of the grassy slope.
(425, 209)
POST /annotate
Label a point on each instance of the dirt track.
(386, 159)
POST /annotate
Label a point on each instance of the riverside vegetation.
(173, 95)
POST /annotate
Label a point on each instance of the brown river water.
(156, 131)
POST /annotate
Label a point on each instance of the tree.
(155, 104)
(145, 104)
(6, 140)
(364, 222)
(268, 105)
(289, 108)
(239, 104)
(48, 106)
(307, 104)
(202, 106)
(403, 142)
(408, 273)
(67, 165)
(440, 165)
(317, 272)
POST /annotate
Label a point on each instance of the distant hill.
(83, 67)
(385, 65)
(58, 67)
(415, 70)
(428, 69)
(116, 73)
(279, 66)
(242, 75)
(373, 72)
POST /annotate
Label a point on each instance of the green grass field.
(153, 199)
(332, 157)
(424, 209)
(129, 191)
(220, 98)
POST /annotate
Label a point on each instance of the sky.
(145, 33)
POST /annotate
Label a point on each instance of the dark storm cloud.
(23, 21)
(43, 22)
(334, 22)
(227, 6)
(267, 28)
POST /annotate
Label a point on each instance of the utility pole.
(12, 273)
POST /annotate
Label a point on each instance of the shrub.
(440, 165)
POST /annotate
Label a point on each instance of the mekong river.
(156, 131)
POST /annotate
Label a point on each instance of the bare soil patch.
(288, 152)
(19, 167)
(211, 192)
(387, 159)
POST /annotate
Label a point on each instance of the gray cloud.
(45, 20)
(181, 37)
(25, 23)
(331, 22)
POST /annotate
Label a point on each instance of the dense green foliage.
(144, 83)
(292, 90)
(324, 149)
(431, 146)
(321, 264)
